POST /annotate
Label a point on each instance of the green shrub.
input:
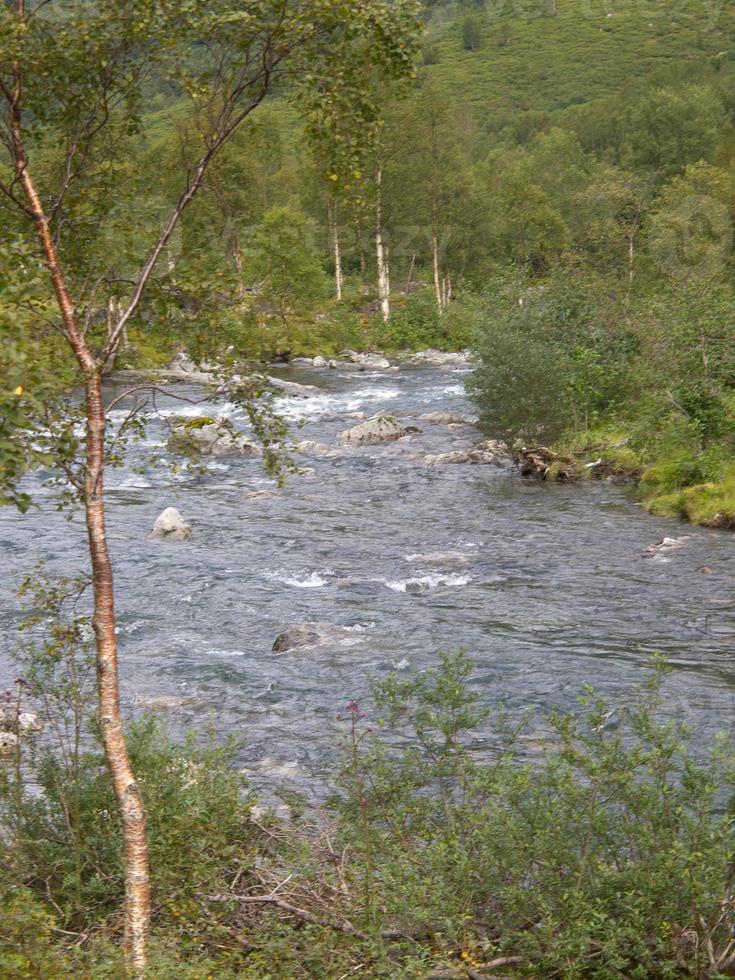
(551, 358)
(608, 855)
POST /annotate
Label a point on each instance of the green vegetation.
(572, 847)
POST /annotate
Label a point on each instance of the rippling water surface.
(545, 585)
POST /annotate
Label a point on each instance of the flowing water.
(545, 585)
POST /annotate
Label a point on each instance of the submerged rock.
(210, 437)
(382, 428)
(171, 526)
(161, 702)
(309, 635)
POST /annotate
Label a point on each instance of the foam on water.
(426, 582)
(311, 581)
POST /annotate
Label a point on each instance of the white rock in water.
(171, 526)
(375, 361)
(8, 743)
(19, 722)
(316, 449)
(433, 356)
(382, 428)
(319, 361)
(665, 544)
(488, 453)
(444, 418)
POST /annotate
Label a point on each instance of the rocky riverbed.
(274, 606)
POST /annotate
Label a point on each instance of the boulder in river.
(19, 722)
(382, 428)
(292, 389)
(210, 437)
(447, 418)
(439, 357)
(368, 360)
(171, 526)
(311, 448)
(8, 744)
(485, 453)
(309, 635)
(665, 545)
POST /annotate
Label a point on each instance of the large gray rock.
(367, 360)
(439, 357)
(292, 389)
(485, 453)
(309, 635)
(210, 437)
(171, 526)
(382, 428)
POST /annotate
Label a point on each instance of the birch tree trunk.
(127, 793)
(381, 256)
(336, 251)
(435, 257)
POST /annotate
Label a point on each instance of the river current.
(545, 585)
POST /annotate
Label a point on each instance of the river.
(545, 585)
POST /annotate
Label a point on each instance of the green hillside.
(529, 60)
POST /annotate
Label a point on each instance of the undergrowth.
(460, 840)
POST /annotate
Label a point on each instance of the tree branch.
(193, 184)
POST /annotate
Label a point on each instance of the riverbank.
(668, 487)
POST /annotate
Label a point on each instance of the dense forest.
(548, 186)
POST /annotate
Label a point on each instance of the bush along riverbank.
(597, 381)
(568, 847)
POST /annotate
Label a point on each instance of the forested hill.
(548, 55)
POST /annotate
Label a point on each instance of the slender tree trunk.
(381, 256)
(435, 258)
(336, 251)
(409, 277)
(130, 805)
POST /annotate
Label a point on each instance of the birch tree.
(71, 74)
